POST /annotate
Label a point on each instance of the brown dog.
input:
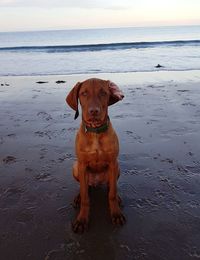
(97, 146)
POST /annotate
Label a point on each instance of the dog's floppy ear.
(72, 98)
(115, 93)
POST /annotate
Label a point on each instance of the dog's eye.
(84, 94)
(103, 93)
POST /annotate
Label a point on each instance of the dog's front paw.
(80, 225)
(118, 219)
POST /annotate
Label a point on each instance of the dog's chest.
(97, 151)
(95, 145)
(97, 148)
(97, 164)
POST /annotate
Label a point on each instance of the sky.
(24, 15)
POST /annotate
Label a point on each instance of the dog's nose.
(94, 111)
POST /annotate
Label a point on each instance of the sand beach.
(158, 125)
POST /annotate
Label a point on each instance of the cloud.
(7, 2)
(103, 4)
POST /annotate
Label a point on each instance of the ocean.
(113, 50)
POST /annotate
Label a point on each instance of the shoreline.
(158, 125)
(178, 76)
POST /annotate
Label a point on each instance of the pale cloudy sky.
(19, 15)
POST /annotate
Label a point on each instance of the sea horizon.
(112, 50)
(99, 28)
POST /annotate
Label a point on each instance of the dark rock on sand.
(60, 81)
(159, 66)
(41, 82)
(5, 84)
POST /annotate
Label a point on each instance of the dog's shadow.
(100, 241)
(99, 208)
(99, 220)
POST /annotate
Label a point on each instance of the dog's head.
(95, 95)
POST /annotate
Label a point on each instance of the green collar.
(96, 130)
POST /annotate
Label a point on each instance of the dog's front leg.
(116, 213)
(81, 222)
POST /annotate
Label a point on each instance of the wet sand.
(158, 124)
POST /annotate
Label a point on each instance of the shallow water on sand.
(158, 126)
